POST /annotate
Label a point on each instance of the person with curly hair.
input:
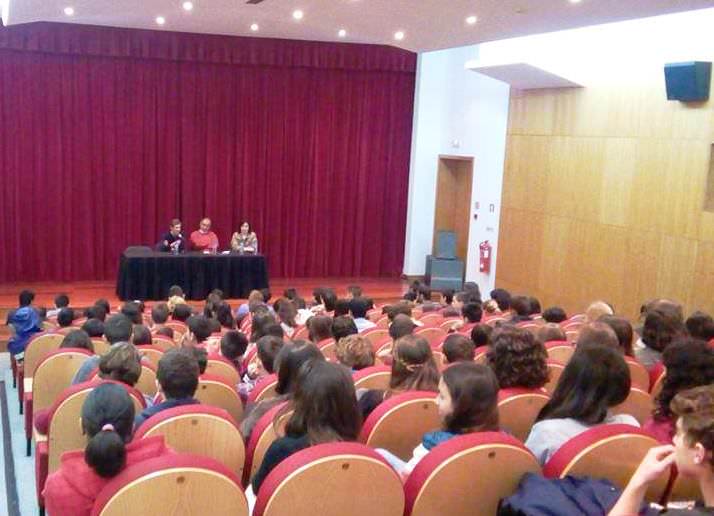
(355, 352)
(689, 363)
(518, 359)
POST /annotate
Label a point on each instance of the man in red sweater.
(203, 239)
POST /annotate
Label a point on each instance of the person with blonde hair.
(597, 309)
(355, 352)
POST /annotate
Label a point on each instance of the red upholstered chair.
(434, 335)
(383, 323)
(639, 376)
(657, 375)
(607, 451)
(467, 327)
(64, 432)
(77, 323)
(399, 423)
(560, 350)
(52, 375)
(572, 335)
(264, 432)
(176, 484)
(519, 408)
(162, 342)
(444, 481)
(480, 354)
(328, 349)
(147, 379)
(38, 347)
(220, 366)
(493, 321)
(431, 319)
(376, 335)
(448, 323)
(376, 377)
(555, 369)
(215, 391)
(151, 353)
(199, 430)
(348, 479)
(264, 389)
(179, 327)
(639, 404)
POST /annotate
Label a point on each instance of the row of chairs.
(352, 479)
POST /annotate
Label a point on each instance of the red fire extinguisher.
(485, 256)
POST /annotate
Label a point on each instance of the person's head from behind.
(354, 291)
(287, 312)
(468, 399)
(160, 313)
(77, 339)
(402, 325)
(94, 328)
(399, 308)
(595, 379)
(700, 325)
(319, 328)
(689, 363)
(199, 327)
(481, 335)
(521, 306)
(359, 307)
(132, 311)
(325, 404)
(342, 307)
(290, 293)
(597, 309)
(61, 301)
(181, 312)
(447, 296)
(329, 299)
(267, 348)
(262, 319)
(175, 291)
(502, 297)
(343, 326)
(413, 365)
(600, 334)
(108, 423)
(458, 348)
(518, 359)
(121, 363)
(623, 332)
(96, 312)
(224, 316)
(694, 439)
(26, 297)
(103, 303)
(178, 373)
(355, 352)
(535, 305)
(550, 332)
(201, 356)
(289, 360)
(141, 335)
(472, 312)
(65, 317)
(662, 325)
(233, 346)
(117, 328)
(554, 314)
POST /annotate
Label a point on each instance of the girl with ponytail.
(107, 421)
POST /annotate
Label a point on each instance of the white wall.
(454, 104)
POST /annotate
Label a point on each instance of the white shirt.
(364, 324)
(548, 436)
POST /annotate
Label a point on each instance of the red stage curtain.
(106, 134)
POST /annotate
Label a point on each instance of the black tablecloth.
(149, 274)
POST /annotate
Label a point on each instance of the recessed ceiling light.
(254, 27)
(471, 20)
(399, 35)
(342, 33)
(298, 14)
(160, 20)
(187, 6)
(575, 1)
(69, 11)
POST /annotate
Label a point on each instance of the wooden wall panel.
(603, 196)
